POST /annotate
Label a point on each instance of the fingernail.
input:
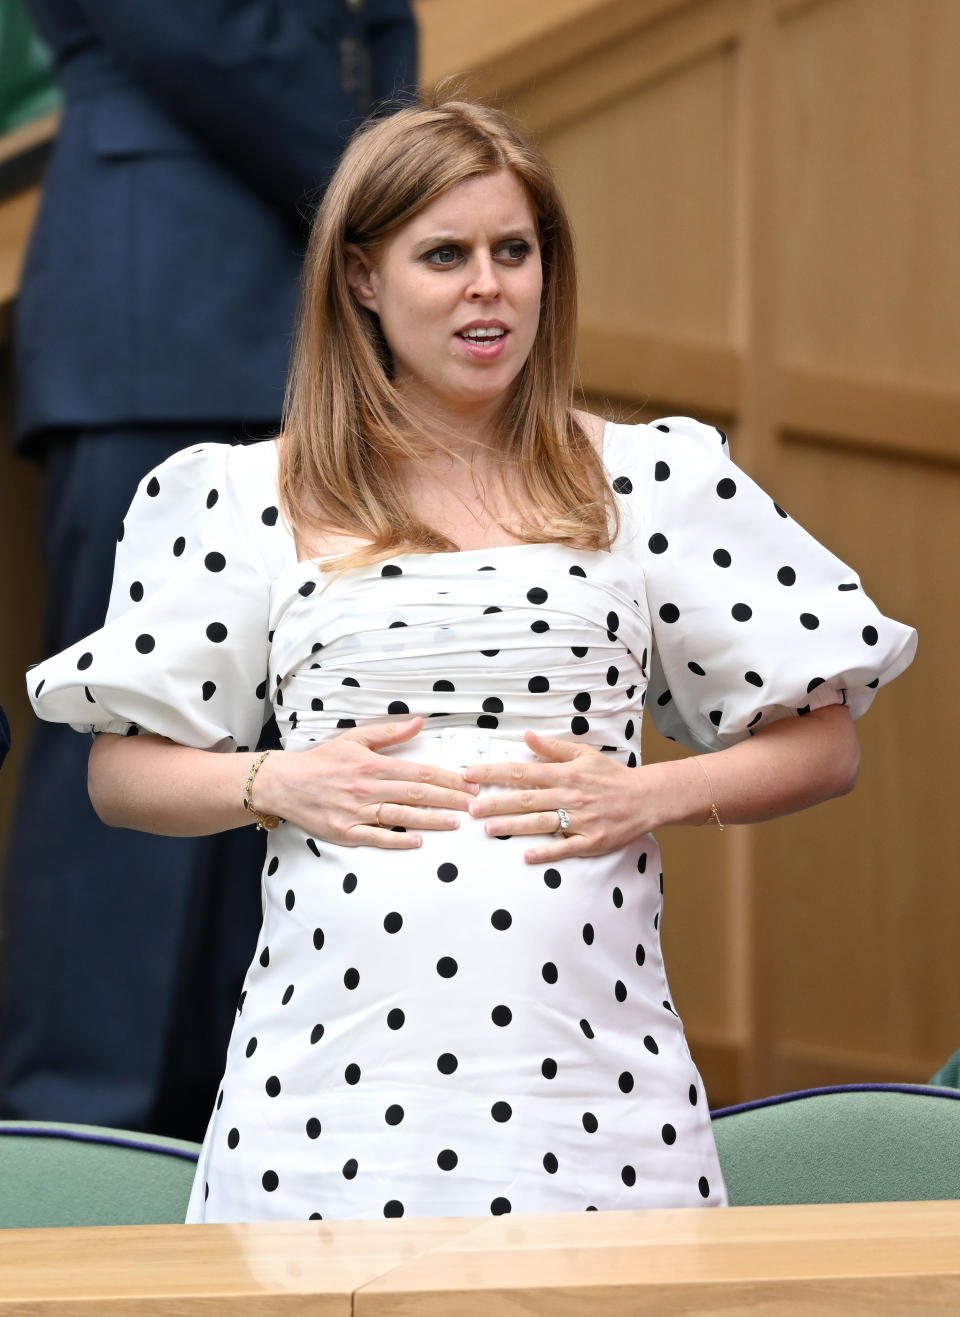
(452, 821)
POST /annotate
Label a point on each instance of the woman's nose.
(484, 283)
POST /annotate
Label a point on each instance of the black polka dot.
(549, 972)
(316, 1033)
(318, 939)
(550, 1163)
(395, 1018)
(786, 576)
(269, 515)
(578, 651)
(548, 1068)
(233, 1138)
(307, 588)
(629, 1176)
(658, 543)
(265, 957)
(501, 1016)
(352, 1073)
(84, 661)
(537, 685)
(443, 685)
(501, 1112)
(397, 706)
(696, 669)
(587, 934)
(661, 471)
(501, 919)
(350, 1168)
(741, 612)
(208, 690)
(586, 1029)
(623, 485)
(270, 1181)
(726, 488)
(576, 570)
(290, 899)
(579, 726)
(617, 897)
(447, 1063)
(692, 1095)
(552, 878)
(668, 1134)
(391, 569)
(779, 510)
(393, 1114)
(179, 544)
(500, 1206)
(351, 978)
(651, 1045)
(393, 922)
(540, 626)
(145, 644)
(212, 498)
(537, 595)
(640, 955)
(582, 702)
(722, 558)
(620, 990)
(251, 1047)
(849, 585)
(136, 591)
(153, 487)
(703, 1184)
(810, 621)
(314, 848)
(446, 967)
(214, 562)
(753, 678)
(216, 632)
(313, 1128)
(870, 635)
(121, 531)
(350, 883)
(613, 623)
(447, 872)
(589, 1122)
(625, 1082)
(272, 1086)
(447, 1159)
(669, 613)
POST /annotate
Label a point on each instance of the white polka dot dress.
(450, 1031)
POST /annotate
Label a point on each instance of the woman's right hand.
(348, 793)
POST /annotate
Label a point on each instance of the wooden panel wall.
(766, 199)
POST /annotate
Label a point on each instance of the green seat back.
(81, 1175)
(863, 1143)
(27, 87)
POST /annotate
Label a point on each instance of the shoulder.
(647, 456)
(217, 489)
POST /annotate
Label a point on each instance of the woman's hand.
(609, 804)
(345, 792)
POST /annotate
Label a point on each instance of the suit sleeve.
(259, 83)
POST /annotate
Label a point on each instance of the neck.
(467, 432)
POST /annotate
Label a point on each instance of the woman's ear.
(360, 277)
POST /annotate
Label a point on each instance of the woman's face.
(457, 290)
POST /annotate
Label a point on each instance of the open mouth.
(482, 337)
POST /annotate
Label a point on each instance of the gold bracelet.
(265, 822)
(713, 816)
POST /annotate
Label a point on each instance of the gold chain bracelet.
(265, 822)
(713, 816)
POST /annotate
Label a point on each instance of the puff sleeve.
(184, 649)
(752, 619)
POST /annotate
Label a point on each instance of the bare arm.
(792, 764)
(340, 791)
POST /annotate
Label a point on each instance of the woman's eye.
(515, 251)
(443, 256)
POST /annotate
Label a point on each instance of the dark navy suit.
(157, 307)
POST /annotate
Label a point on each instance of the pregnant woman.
(458, 594)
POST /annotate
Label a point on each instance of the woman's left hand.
(607, 802)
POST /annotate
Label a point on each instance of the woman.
(457, 593)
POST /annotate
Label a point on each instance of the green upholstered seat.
(81, 1175)
(861, 1143)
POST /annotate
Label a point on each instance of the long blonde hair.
(345, 422)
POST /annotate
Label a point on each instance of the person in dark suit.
(156, 310)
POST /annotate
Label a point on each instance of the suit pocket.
(127, 125)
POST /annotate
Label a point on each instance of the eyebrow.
(450, 239)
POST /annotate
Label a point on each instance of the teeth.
(483, 333)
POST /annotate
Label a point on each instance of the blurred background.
(766, 197)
